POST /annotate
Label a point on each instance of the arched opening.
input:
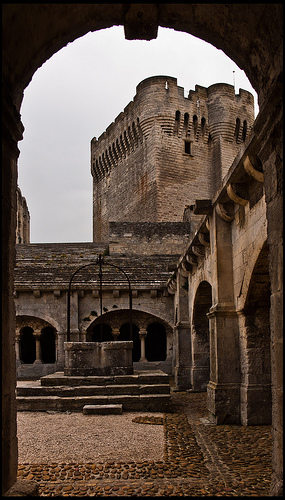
(47, 341)
(255, 347)
(201, 337)
(27, 346)
(264, 73)
(155, 342)
(195, 124)
(125, 335)
(203, 125)
(106, 333)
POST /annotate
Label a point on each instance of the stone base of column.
(182, 377)
(200, 378)
(223, 403)
(255, 401)
(23, 488)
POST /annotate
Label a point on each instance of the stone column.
(142, 335)
(37, 336)
(60, 337)
(181, 337)
(115, 333)
(270, 135)
(17, 346)
(74, 325)
(182, 364)
(224, 385)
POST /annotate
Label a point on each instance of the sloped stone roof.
(51, 265)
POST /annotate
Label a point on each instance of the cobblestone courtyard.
(200, 459)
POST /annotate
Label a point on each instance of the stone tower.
(166, 150)
(23, 220)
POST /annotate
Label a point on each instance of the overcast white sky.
(75, 96)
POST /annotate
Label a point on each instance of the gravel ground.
(61, 437)
(199, 459)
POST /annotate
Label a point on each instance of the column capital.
(222, 309)
(142, 334)
(115, 333)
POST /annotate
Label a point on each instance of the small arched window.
(177, 122)
(195, 123)
(203, 125)
(236, 134)
(177, 116)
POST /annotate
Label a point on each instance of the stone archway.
(254, 328)
(125, 335)
(251, 36)
(156, 342)
(48, 345)
(96, 333)
(27, 345)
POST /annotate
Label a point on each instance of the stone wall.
(166, 150)
(147, 238)
(23, 219)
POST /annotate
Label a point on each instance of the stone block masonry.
(146, 238)
(166, 150)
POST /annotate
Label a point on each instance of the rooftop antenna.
(234, 81)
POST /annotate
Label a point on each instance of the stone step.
(143, 402)
(141, 378)
(92, 390)
(102, 410)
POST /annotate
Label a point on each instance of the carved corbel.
(207, 224)
(198, 250)
(252, 171)
(183, 271)
(186, 266)
(226, 216)
(191, 259)
(235, 197)
(172, 287)
(203, 240)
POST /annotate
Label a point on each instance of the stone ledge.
(102, 409)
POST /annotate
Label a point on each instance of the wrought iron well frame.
(100, 261)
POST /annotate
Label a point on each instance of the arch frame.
(260, 55)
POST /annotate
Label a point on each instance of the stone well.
(98, 358)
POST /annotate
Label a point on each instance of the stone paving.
(200, 459)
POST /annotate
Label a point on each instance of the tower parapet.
(165, 150)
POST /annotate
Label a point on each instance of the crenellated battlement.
(165, 149)
(205, 114)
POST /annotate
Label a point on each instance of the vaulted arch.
(250, 35)
(254, 326)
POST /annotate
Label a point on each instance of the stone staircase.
(143, 391)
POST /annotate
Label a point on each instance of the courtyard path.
(199, 459)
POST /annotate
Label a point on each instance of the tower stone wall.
(166, 150)
(23, 220)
